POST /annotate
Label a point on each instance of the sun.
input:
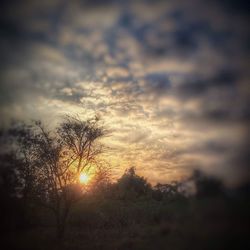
(83, 178)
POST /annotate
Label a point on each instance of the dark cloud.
(199, 86)
(157, 83)
(236, 6)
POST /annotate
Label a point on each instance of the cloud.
(170, 80)
(222, 80)
(157, 83)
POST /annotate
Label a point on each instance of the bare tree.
(79, 141)
(53, 161)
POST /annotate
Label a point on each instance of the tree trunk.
(61, 223)
(60, 231)
(60, 227)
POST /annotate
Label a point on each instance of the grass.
(213, 223)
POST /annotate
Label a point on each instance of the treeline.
(131, 186)
(19, 211)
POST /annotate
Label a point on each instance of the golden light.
(83, 178)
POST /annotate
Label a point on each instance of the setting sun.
(84, 178)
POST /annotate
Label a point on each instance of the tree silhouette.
(131, 185)
(53, 160)
(206, 186)
(169, 191)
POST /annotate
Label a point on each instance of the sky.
(168, 78)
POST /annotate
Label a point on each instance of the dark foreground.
(182, 223)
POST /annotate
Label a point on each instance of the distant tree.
(131, 185)
(53, 160)
(168, 191)
(101, 181)
(11, 214)
(206, 186)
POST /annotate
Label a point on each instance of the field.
(183, 223)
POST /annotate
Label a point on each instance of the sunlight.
(84, 178)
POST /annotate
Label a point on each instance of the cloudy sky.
(169, 78)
